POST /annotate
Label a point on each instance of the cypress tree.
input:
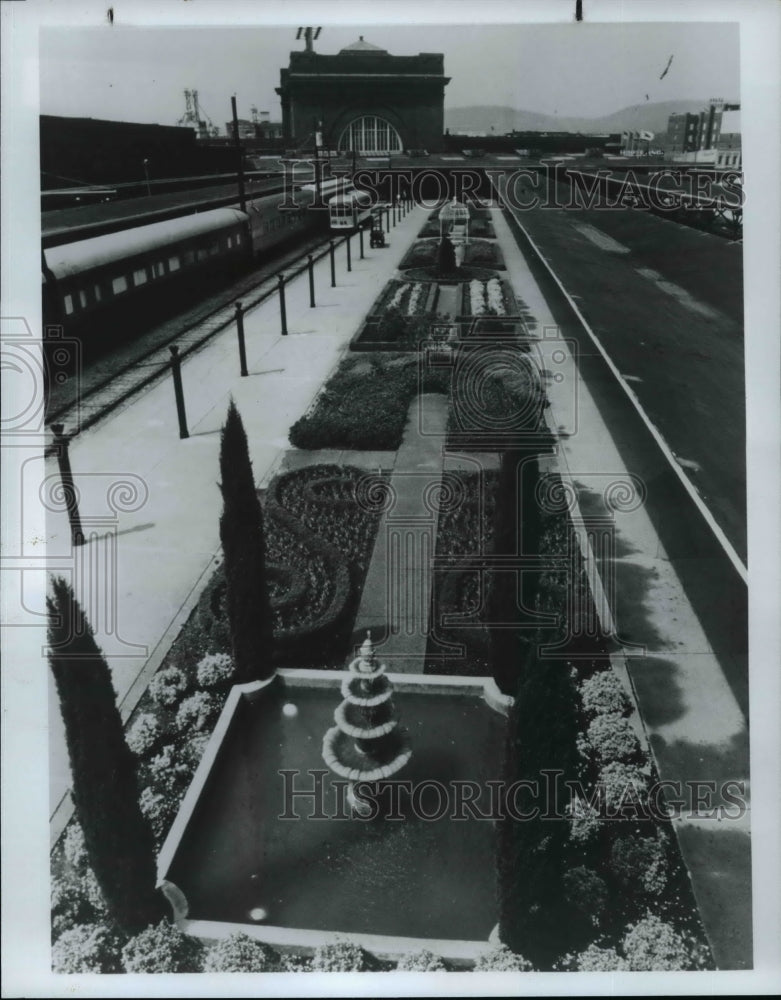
(532, 853)
(243, 546)
(446, 257)
(117, 837)
(516, 506)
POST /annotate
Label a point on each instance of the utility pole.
(239, 155)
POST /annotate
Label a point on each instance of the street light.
(146, 174)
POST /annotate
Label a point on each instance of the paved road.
(666, 302)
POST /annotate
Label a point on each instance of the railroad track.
(114, 380)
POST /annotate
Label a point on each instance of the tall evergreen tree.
(243, 546)
(446, 257)
(117, 837)
(516, 533)
(532, 853)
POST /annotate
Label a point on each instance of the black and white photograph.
(391, 452)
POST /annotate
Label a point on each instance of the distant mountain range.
(649, 115)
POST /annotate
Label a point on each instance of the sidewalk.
(695, 726)
(159, 539)
(396, 599)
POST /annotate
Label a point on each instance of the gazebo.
(454, 223)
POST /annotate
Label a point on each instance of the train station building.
(364, 99)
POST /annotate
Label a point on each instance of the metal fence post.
(240, 332)
(349, 253)
(360, 240)
(282, 308)
(176, 371)
(333, 263)
(387, 220)
(61, 440)
(310, 265)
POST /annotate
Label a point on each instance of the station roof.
(363, 46)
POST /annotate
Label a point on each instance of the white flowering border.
(485, 295)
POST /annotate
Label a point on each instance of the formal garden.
(597, 886)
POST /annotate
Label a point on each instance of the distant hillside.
(480, 118)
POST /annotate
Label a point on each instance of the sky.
(139, 73)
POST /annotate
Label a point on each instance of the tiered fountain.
(366, 744)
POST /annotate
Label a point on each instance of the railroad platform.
(141, 573)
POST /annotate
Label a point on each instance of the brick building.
(364, 99)
(683, 133)
(712, 135)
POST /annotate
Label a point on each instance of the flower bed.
(479, 223)
(365, 403)
(465, 528)
(480, 253)
(488, 298)
(407, 299)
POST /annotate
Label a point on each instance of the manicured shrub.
(652, 945)
(342, 956)
(162, 948)
(501, 959)
(596, 959)
(585, 821)
(243, 544)
(87, 948)
(117, 837)
(613, 738)
(214, 670)
(639, 861)
(421, 961)
(143, 734)
(160, 809)
(240, 953)
(192, 751)
(623, 787)
(73, 848)
(75, 899)
(198, 712)
(168, 686)
(604, 694)
(169, 771)
(586, 891)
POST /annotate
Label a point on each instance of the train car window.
(119, 284)
(203, 253)
(188, 257)
(173, 263)
(238, 239)
(68, 303)
(214, 249)
(230, 242)
(82, 298)
(158, 269)
(98, 293)
(139, 276)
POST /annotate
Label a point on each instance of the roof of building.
(363, 46)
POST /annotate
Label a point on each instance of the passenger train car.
(99, 285)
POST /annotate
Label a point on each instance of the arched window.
(370, 135)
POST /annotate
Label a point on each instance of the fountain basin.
(324, 871)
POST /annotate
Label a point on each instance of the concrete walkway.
(695, 725)
(155, 542)
(396, 600)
